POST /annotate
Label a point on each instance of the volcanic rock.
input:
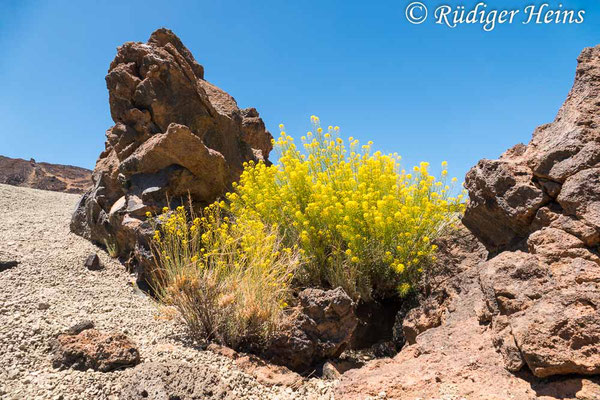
(544, 298)
(175, 380)
(498, 328)
(175, 135)
(555, 168)
(4, 265)
(320, 327)
(93, 262)
(92, 349)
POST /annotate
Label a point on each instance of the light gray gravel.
(51, 290)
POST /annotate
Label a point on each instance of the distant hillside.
(45, 176)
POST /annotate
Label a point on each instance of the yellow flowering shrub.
(360, 221)
(228, 280)
(330, 213)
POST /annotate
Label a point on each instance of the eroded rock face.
(543, 299)
(175, 134)
(458, 251)
(45, 176)
(558, 167)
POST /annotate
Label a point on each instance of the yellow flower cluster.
(229, 280)
(361, 221)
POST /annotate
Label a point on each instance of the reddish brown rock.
(580, 196)
(92, 349)
(319, 328)
(265, 373)
(570, 143)
(503, 200)
(559, 163)
(497, 328)
(45, 176)
(457, 252)
(547, 305)
(175, 134)
(543, 301)
(468, 357)
(552, 217)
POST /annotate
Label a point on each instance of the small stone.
(80, 327)
(330, 371)
(4, 265)
(93, 262)
(43, 306)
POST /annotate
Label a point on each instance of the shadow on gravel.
(563, 386)
(5, 265)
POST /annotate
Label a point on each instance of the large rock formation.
(175, 135)
(544, 199)
(555, 168)
(45, 176)
(495, 328)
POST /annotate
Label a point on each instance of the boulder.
(545, 308)
(92, 349)
(319, 327)
(175, 135)
(503, 200)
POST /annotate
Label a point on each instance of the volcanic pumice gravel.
(50, 290)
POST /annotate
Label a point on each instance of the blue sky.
(426, 91)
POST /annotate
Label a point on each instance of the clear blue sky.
(425, 91)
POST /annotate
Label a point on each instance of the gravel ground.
(51, 290)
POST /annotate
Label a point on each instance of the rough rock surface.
(544, 199)
(50, 291)
(452, 350)
(555, 168)
(93, 262)
(175, 135)
(41, 175)
(97, 350)
(320, 327)
(523, 324)
(457, 252)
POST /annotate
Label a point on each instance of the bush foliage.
(330, 213)
(229, 281)
(361, 221)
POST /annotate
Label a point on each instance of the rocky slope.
(175, 135)
(499, 328)
(41, 175)
(50, 290)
